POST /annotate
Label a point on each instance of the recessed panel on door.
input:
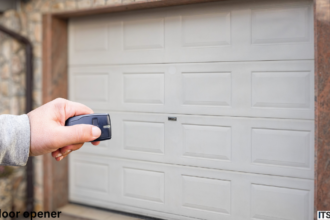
(143, 34)
(206, 30)
(143, 185)
(206, 88)
(144, 136)
(206, 194)
(281, 89)
(281, 147)
(290, 203)
(144, 88)
(90, 87)
(210, 142)
(280, 25)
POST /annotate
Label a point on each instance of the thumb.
(76, 134)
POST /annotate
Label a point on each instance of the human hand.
(49, 133)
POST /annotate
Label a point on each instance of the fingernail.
(96, 131)
(61, 158)
(58, 155)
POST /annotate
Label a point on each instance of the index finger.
(75, 108)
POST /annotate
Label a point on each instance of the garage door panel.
(243, 145)
(130, 89)
(91, 87)
(144, 88)
(96, 184)
(281, 147)
(208, 29)
(206, 194)
(211, 32)
(203, 193)
(255, 89)
(268, 146)
(143, 185)
(144, 136)
(291, 203)
(143, 34)
(281, 89)
(268, 26)
(209, 142)
(206, 88)
(90, 38)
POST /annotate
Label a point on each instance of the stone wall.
(12, 91)
(27, 21)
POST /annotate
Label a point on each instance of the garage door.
(212, 110)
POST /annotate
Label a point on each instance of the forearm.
(14, 140)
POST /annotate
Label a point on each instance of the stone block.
(27, 6)
(37, 32)
(37, 4)
(97, 3)
(15, 46)
(6, 196)
(37, 50)
(22, 105)
(37, 98)
(6, 49)
(5, 111)
(71, 4)
(10, 13)
(38, 206)
(2, 59)
(84, 4)
(127, 1)
(4, 88)
(35, 16)
(38, 170)
(5, 71)
(14, 107)
(45, 6)
(38, 193)
(113, 2)
(57, 6)
(16, 65)
(12, 20)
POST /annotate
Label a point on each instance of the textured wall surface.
(27, 21)
(12, 90)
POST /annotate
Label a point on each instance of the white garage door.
(212, 110)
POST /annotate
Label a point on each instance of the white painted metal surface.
(238, 76)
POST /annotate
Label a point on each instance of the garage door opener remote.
(100, 120)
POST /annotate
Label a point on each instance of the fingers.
(75, 108)
(71, 108)
(56, 153)
(76, 134)
(68, 149)
(96, 142)
(65, 151)
(59, 158)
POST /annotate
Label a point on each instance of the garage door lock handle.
(172, 118)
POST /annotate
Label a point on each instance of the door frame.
(55, 84)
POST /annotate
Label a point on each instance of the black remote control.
(100, 120)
